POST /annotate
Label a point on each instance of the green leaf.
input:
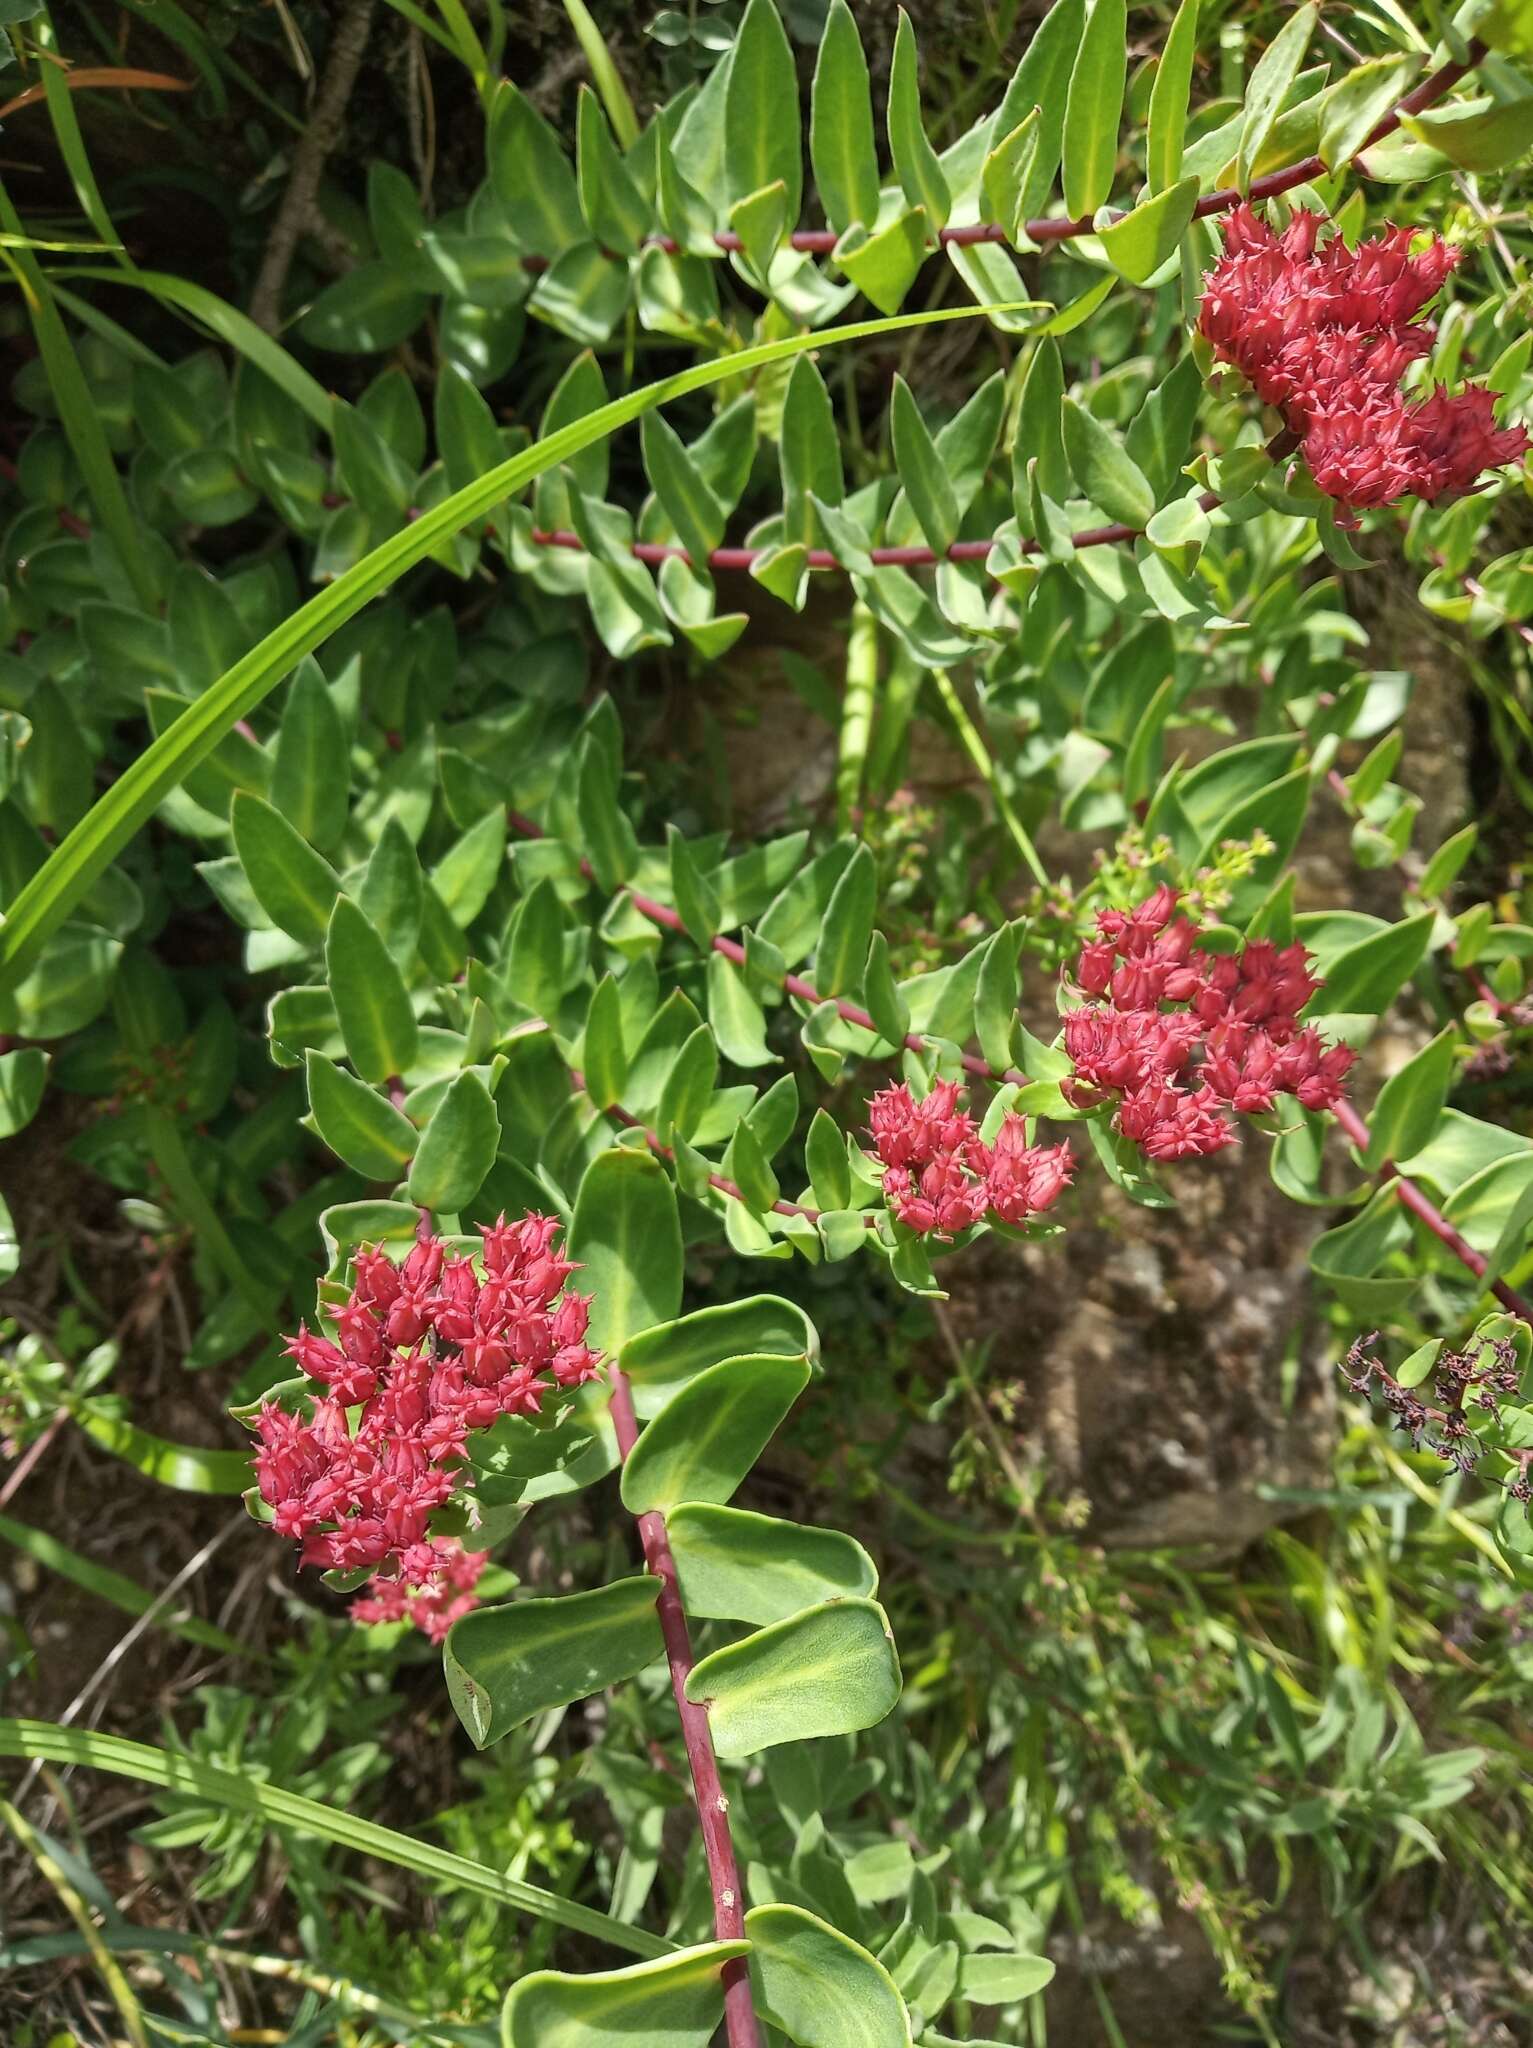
(997, 993)
(1139, 243)
(535, 969)
(810, 452)
(688, 1086)
(842, 949)
(1483, 134)
(392, 893)
(738, 1566)
(310, 779)
(1365, 979)
(187, 1468)
(737, 1019)
(675, 2003)
(505, 1664)
(21, 1088)
(609, 80)
(759, 219)
(1168, 100)
(357, 1123)
(881, 994)
(709, 1434)
(1002, 1979)
(1040, 435)
(825, 1156)
(531, 175)
(457, 1147)
(1106, 473)
(627, 1237)
(841, 142)
(1268, 87)
(374, 307)
(466, 434)
(1411, 1102)
(684, 494)
(820, 1987)
(610, 841)
(1213, 792)
(746, 1162)
(66, 990)
(619, 218)
(1352, 107)
(922, 471)
(1349, 1257)
(762, 125)
(372, 1004)
(1443, 868)
(1007, 177)
(78, 411)
(1093, 108)
(883, 264)
(1494, 1211)
(54, 889)
(662, 1360)
(239, 1792)
(296, 887)
(828, 1671)
(696, 902)
(604, 1061)
(916, 163)
(1042, 80)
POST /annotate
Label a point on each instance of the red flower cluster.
(939, 1174)
(445, 1597)
(428, 1350)
(1325, 335)
(1241, 1021)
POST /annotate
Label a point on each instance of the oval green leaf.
(359, 1125)
(662, 1360)
(676, 2002)
(704, 1441)
(505, 1664)
(828, 1671)
(737, 1566)
(820, 1987)
(626, 1236)
(457, 1147)
(372, 1004)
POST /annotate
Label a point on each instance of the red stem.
(881, 558)
(712, 1806)
(1435, 1221)
(821, 241)
(17, 1475)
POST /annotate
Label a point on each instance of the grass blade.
(59, 87)
(77, 411)
(49, 1742)
(124, 1593)
(614, 94)
(129, 2010)
(228, 325)
(189, 1468)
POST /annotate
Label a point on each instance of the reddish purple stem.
(712, 1806)
(821, 558)
(1435, 1221)
(821, 241)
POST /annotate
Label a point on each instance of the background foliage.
(446, 898)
